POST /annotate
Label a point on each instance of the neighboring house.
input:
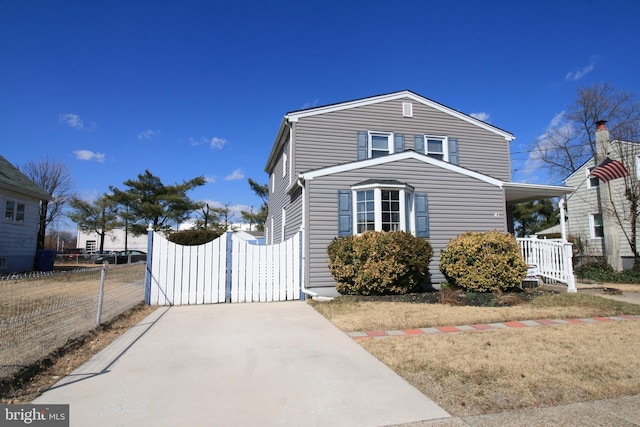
(20, 209)
(592, 224)
(113, 241)
(397, 161)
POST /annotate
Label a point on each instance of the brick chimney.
(603, 141)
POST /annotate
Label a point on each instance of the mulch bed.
(458, 297)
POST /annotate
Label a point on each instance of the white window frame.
(590, 178)
(388, 135)
(283, 224)
(273, 182)
(592, 225)
(407, 221)
(17, 214)
(285, 159)
(445, 146)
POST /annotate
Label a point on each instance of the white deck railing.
(553, 259)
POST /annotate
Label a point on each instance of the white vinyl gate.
(228, 269)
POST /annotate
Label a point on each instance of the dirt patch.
(36, 379)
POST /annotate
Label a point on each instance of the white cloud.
(580, 73)
(480, 116)
(217, 142)
(235, 175)
(74, 121)
(148, 134)
(214, 143)
(210, 178)
(559, 128)
(89, 155)
(310, 104)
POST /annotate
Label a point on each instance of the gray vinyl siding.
(580, 204)
(18, 241)
(584, 201)
(457, 203)
(329, 139)
(283, 195)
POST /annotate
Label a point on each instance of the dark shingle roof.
(11, 178)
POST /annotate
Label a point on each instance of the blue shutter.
(344, 213)
(398, 143)
(363, 145)
(422, 214)
(418, 141)
(453, 151)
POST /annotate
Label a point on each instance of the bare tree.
(572, 141)
(55, 179)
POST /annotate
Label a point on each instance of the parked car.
(74, 253)
(121, 257)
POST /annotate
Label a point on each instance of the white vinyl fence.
(228, 269)
(553, 259)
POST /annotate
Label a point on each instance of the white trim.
(588, 170)
(283, 223)
(390, 145)
(330, 170)
(407, 109)
(405, 193)
(445, 145)
(296, 115)
(592, 225)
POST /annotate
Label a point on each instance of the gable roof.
(294, 116)
(12, 179)
(514, 192)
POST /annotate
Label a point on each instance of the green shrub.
(380, 263)
(603, 272)
(193, 237)
(483, 262)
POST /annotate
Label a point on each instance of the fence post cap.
(150, 228)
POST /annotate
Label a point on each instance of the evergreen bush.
(193, 237)
(380, 263)
(483, 262)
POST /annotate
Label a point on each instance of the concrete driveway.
(261, 364)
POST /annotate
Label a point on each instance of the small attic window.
(407, 109)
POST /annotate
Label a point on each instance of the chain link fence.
(39, 315)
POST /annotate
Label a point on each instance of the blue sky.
(189, 88)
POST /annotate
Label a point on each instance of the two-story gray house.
(396, 161)
(20, 215)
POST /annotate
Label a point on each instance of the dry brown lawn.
(495, 371)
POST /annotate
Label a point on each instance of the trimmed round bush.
(380, 263)
(483, 262)
(193, 237)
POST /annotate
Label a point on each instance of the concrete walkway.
(267, 364)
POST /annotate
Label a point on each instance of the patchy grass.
(488, 372)
(353, 314)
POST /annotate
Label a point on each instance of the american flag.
(609, 169)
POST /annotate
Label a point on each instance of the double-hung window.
(14, 211)
(380, 144)
(592, 181)
(436, 146)
(597, 225)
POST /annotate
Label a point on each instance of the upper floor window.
(440, 147)
(592, 181)
(373, 144)
(285, 159)
(380, 144)
(436, 146)
(14, 211)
